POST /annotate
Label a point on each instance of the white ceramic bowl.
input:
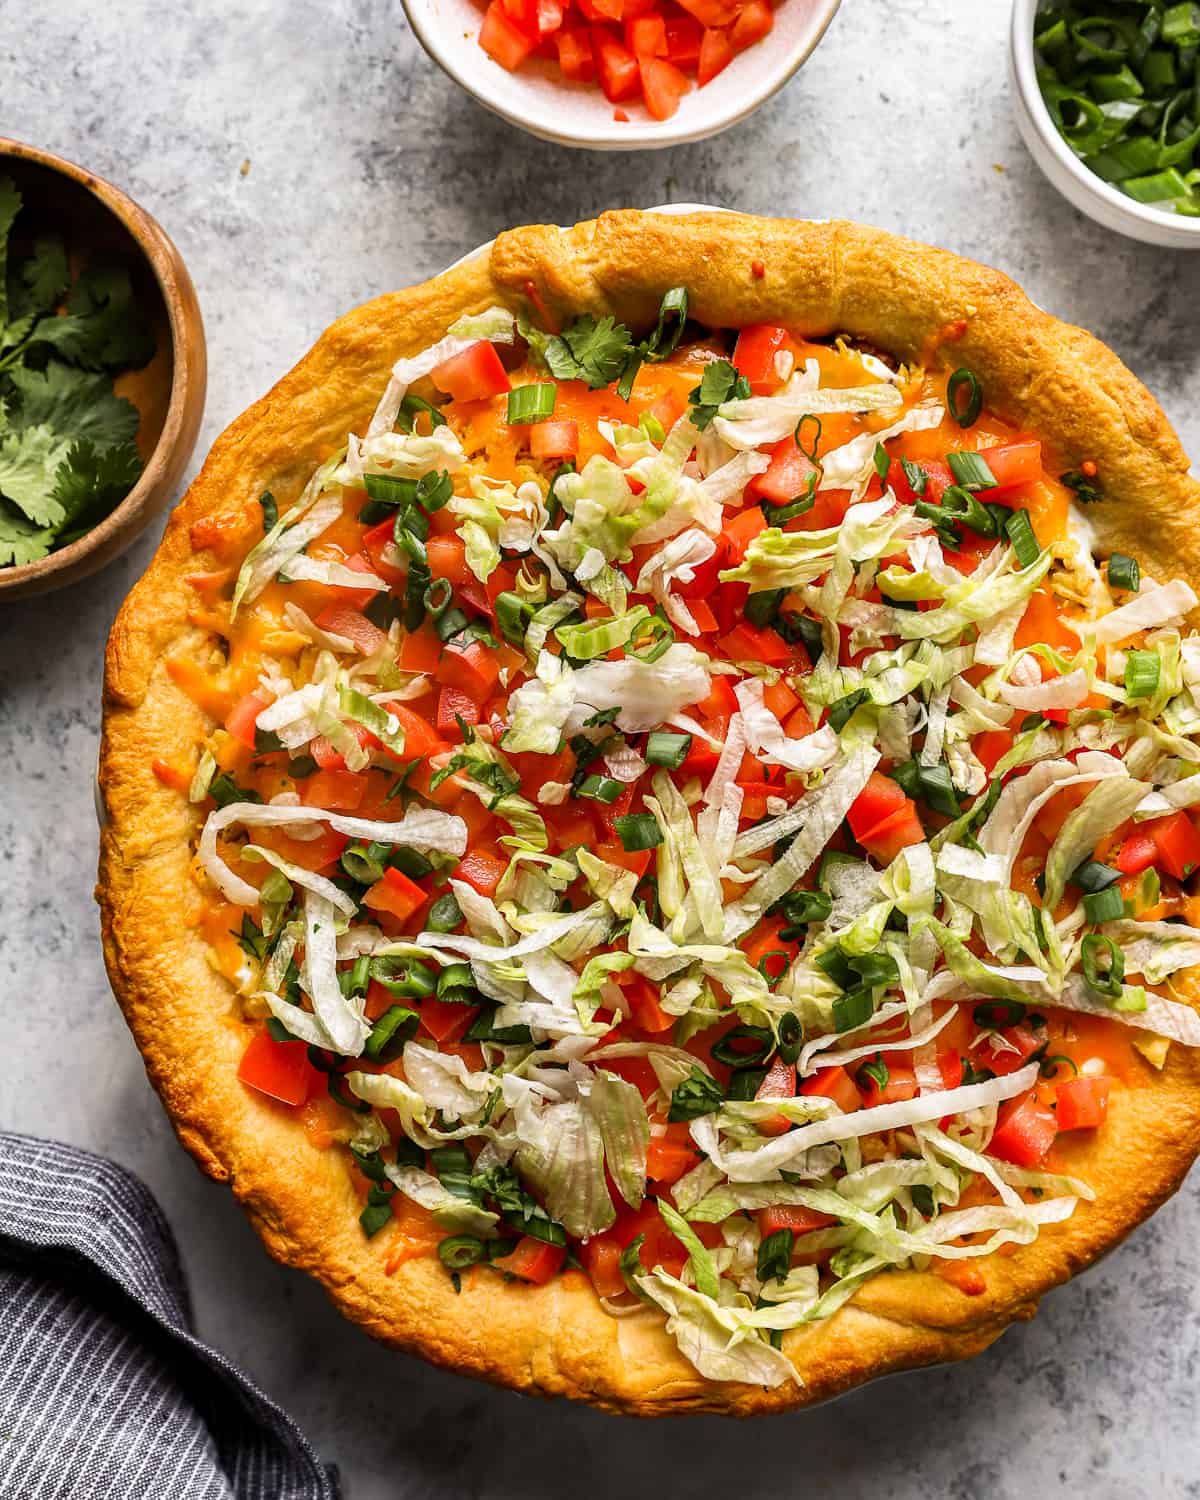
(541, 101)
(1081, 187)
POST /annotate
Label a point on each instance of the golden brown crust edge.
(556, 1340)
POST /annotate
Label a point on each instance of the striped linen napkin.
(105, 1392)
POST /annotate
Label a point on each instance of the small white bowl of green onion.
(1107, 96)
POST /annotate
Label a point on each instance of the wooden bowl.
(168, 392)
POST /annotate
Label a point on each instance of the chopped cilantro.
(67, 452)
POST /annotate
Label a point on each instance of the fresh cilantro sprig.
(719, 383)
(600, 353)
(67, 451)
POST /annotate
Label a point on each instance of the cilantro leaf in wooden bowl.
(102, 371)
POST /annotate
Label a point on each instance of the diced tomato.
(279, 1069)
(1011, 1048)
(482, 869)
(798, 723)
(637, 860)
(396, 894)
(1013, 464)
(779, 1083)
(835, 1084)
(746, 642)
(646, 36)
(349, 596)
(1138, 852)
(448, 559)
(1025, 1131)
(554, 439)
(444, 1021)
(663, 86)
(336, 791)
(644, 1005)
(897, 832)
(992, 745)
(780, 699)
(704, 579)
(354, 626)
(669, 1156)
(420, 651)
(472, 669)
(476, 373)
(602, 1261)
(452, 706)
(721, 702)
(617, 66)
(712, 12)
(901, 1084)
(683, 41)
(701, 759)
(242, 720)
(754, 357)
(753, 23)
(793, 1216)
(1082, 1103)
(379, 546)
(1178, 843)
(330, 759)
(715, 54)
(548, 17)
(787, 477)
(533, 1260)
(420, 738)
(575, 56)
(879, 799)
(969, 1279)
(706, 621)
(1042, 624)
(740, 531)
(950, 1066)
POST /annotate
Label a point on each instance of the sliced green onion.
(967, 510)
(461, 1251)
(1124, 573)
(1104, 906)
(654, 638)
(761, 608)
(801, 907)
(1092, 876)
(1050, 1067)
(882, 462)
(964, 396)
(841, 710)
(411, 407)
(666, 749)
(761, 1042)
(445, 914)
(775, 1255)
(513, 615)
(451, 623)
(1024, 542)
(404, 977)
(600, 789)
(1106, 982)
(374, 1216)
(638, 831)
(390, 489)
(937, 789)
(780, 515)
(744, 1084)
(364, 862)
(791, 1036)
(1142, 670)
(998, 1015)
(875, 968)
(396, 1026)
(971, 471)
(773, 964)
(853, 1009)
(876, 1070)
(531, 403)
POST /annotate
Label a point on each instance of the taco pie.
(652, 805)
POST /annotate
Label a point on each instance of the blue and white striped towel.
(105, 1393)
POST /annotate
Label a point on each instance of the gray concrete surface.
(368, 170)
